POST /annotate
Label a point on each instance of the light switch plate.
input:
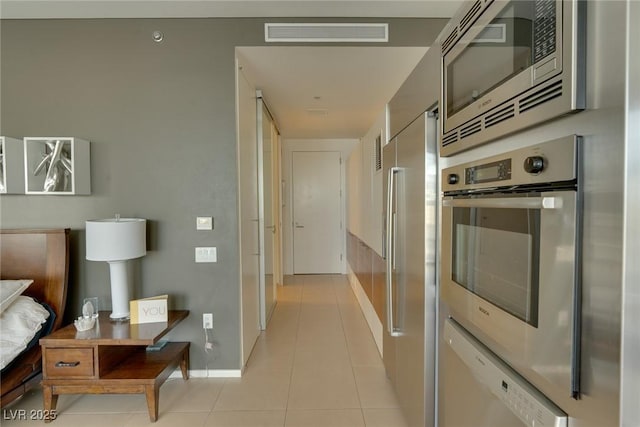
(204, 223)
(206, 254)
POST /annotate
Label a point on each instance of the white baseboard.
(375, 325)
(209, 373)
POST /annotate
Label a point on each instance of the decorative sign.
(149, 310)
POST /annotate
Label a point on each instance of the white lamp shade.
(116, 239)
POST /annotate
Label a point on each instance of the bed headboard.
(41, 255)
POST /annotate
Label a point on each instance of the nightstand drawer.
(68, 362)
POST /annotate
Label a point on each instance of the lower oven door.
(509, 276)
(481, 390)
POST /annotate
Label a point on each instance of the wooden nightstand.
(111, 358)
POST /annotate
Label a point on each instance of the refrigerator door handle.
(393, 240)
(391, 250)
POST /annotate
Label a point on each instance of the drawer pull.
(67, 364)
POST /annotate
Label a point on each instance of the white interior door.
(317, 212)
(249, 215)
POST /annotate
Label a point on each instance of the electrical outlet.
(207, 320)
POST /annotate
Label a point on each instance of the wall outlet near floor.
(207, 320)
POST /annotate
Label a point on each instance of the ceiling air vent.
(324, 32)
(317, 111)
(378, 153)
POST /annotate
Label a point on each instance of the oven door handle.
(506, 203)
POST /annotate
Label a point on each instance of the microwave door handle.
(391, 249)
(506, 203)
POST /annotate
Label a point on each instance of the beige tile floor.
(316, 365)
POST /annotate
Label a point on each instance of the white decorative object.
(57, 165)
(117, 240)
(90, 307)
(84, 324)
(11, 166)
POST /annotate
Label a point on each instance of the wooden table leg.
(50, 402)
(153, 393)
(184, 364)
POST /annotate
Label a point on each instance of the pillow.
(18, 325)
(46, 329)
(10, 290)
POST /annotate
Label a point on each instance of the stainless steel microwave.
(508, 65)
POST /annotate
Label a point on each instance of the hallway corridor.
(317, 365)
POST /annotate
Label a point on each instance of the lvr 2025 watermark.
(29, 414)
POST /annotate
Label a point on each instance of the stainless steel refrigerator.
(410, 168)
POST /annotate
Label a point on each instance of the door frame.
(261, 107)
(249, 290)
(344, 146)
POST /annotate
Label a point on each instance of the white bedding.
(10, 290)
(19, 323)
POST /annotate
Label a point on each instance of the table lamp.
(117, 240)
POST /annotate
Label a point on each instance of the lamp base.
(119, 291)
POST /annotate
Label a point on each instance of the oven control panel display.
(488, 172)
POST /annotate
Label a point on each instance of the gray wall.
(161, 121)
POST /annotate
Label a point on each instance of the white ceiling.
(353, 83)
(11, 9)
(328, 92)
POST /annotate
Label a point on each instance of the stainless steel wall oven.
(511, 230)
